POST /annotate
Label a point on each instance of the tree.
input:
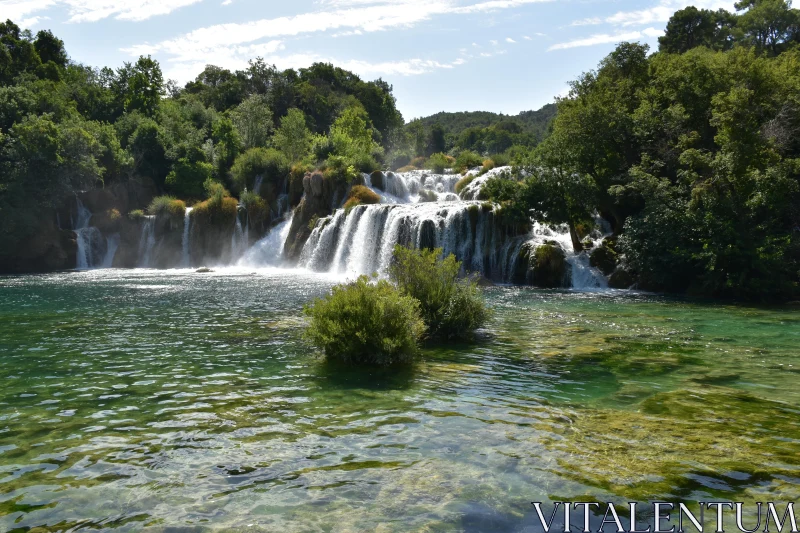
(293, 137)
(691, 27)
(143, 84)
(768, 24)
(253, 121)
(50, 48)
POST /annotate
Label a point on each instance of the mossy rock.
(605, 258)
(550, 267)
(621, 278)
(377, 180)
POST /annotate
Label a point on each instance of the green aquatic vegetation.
(657, 451)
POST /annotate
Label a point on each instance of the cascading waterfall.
(362, 241)
(238, 240)
(92, 250)
(186, 239)
(257, 184)
(269, 250)
(147, 241)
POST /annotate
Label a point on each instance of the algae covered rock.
(549, 266)
(605, 257)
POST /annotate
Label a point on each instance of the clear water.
(176, 401)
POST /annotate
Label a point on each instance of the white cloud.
(494, 42)
(510, 40)
(599, 39)
(94, 10)
(19, 10)
(527, 38)
(658, 13)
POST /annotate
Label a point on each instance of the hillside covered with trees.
(692, 153)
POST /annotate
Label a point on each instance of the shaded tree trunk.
(576, 240)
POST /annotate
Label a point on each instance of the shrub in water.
(437, 163)
(451, 307)
(366, 323)
(136, 215)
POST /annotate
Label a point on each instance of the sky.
(505, 56)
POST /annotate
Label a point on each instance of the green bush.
(463, 182)
(488, 165)
(216, 211)
(359, 195)
(365, 163)
(136, 215)
(187, 177)
(167, 206)
(437, 163)
(467, 160)
(268, 163)
(338, 170)
(451, 307)
(257, 209)
(366, 323)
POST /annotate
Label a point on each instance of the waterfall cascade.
(186, 242)
(147, 242)
(420, 209)
(93, 251)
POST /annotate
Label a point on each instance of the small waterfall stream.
(147, 241)
(269, 250)
(92, 250)
(186, 239)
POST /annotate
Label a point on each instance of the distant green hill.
(454, 124)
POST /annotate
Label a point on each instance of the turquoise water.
(175, 401)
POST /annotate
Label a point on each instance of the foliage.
(253, 121)
(359, 194)
(267, 163)
(188, 176)
(464, 182)
(366, 323)
(136, 215)
(438, 163)
(451, 307)
(467, 160)
(256, 207)
(293, 138)
(217, 211)
(167, 206)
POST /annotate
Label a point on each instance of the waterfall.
(584, 276)
(420, 210)
(186, 258)
(257, 184)
(238, 242)
(147, 241)
(362, 242)
(112, 243)
(269, 250)
(91, 248)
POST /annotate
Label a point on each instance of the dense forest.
(690, 153)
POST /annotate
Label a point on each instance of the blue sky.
(440, 55)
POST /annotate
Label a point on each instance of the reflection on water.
(151, 400)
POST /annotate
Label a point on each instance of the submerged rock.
(203, 270)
